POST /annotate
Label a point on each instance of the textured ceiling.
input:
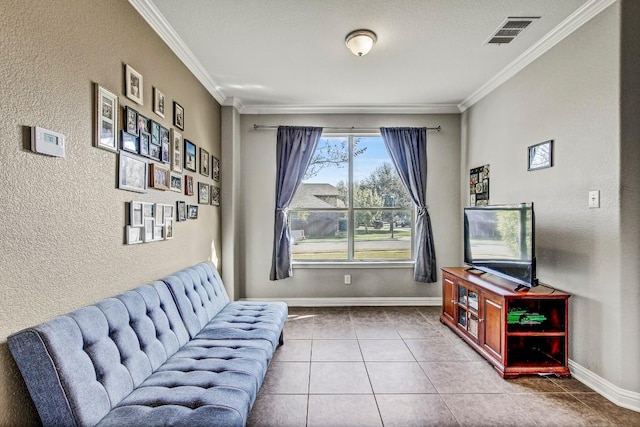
(290, 54)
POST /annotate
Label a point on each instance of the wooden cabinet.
(524, 332)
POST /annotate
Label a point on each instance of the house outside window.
(351, 205)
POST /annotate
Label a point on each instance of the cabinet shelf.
(520, 333)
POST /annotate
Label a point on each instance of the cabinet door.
(493, 334)
(447, 296)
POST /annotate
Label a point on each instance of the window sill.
(353, 264)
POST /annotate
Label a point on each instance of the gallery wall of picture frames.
(153, 156)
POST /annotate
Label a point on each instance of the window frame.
(352, 262)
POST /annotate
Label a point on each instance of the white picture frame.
(133, 84)
(158, 102)
(177, 142)
(132, 173)
(158, 213)
(106, 119)
(168, 228)
(134, 235)
(136, 214)
(149, 226)
(175, 182)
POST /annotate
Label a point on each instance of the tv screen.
(500, 240)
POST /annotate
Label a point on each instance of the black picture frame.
(540, 156)
(192, 211)
(155, 132)
(178, 115)
(215, 168)
(181, 210)
(204, 162)
(190, 156)
(129, 142)
(131, 121)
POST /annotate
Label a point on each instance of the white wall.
(257, 206)
(570, 95)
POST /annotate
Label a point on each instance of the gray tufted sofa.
(175, 352)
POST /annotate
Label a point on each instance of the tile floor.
(398, 366)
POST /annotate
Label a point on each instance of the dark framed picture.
(192, 211)
(155, 133)
(540, 156)
(144, 124)
(176, 182)
(215, 196)
(132, 173)
(176, 150)
(158, 177)
(215, 168)
(145, 140)
(154, 152)
(188, 185)
(203, 193)
(158, 102)
(131, 121)
(129, 142)
(181, 209)
(204, 162)
(106, 119)
(189, 155)
(133, 84)
(178, 115)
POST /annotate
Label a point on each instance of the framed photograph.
(147, 210)
(176, 182)
(158, 232)
(136, 214)
(144, 124)
(178, 115)
(192, 211)
(154, 152)
(106, 119)
(158, 102)
(479, 186)
(215, 168)
(160, 211)
(189, 155)
(168, 228)
(133, 85)
(164, 144)
(203, 193)
(149, 226)
(135, 235)
(131, 121)
(176, 150)
(215, 196)
(132, 173)
(188, 185)
(181, 208)
(167, 211)
(204, 162)
(158, 177)
(129, 142)
(145, 140)
(541, 156)
(155, 133)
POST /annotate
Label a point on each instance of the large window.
(351, 205)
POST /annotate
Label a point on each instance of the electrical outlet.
(347, 279)
(594, 199)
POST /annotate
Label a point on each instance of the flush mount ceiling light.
(360, 42)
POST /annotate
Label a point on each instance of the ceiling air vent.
(511, 28)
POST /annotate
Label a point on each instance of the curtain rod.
(352, 129)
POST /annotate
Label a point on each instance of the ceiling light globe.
(360, 42)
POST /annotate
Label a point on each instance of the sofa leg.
(281, 340)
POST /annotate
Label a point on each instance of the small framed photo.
(178, 115)
(215, 168)
(154, 152)
(176, 150)
(181, 208)
(129, 142)
(133, 85)
(136, 214)
(188, 185)
(162, 212)
(147, 210)
(158, 231)
(106, 119)
(204, 162)
(164, 144)
(158, 102)
(155, 133)
(149, 226)
(215, 196)
(189, 155)
(176, 182)
(144, 124)
(158, 177)
(168, 228)
(145, 140)
(132, 173)
(203, 193)
(135, 235)
(131, 121)
(167, 211)
(541, 156)
(192, 211)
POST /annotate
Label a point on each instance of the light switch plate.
(47, 142)
(594, 199)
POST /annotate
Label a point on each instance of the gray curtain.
(294, 149)
(408, 150)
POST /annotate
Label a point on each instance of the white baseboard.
(355, 301)
(619, 396)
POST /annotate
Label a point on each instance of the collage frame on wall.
(479, 186)
(106, 119)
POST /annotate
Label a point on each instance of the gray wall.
(572, 95)
(257, 206)
(62, 220)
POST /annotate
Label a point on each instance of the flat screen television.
(500, 240)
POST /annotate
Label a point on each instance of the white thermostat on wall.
(47, 142)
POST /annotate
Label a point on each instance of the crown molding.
(555, 36)
(156, 20)
(351, 109)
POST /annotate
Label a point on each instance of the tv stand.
(518, 288)
(519, 333)
(474, 270)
